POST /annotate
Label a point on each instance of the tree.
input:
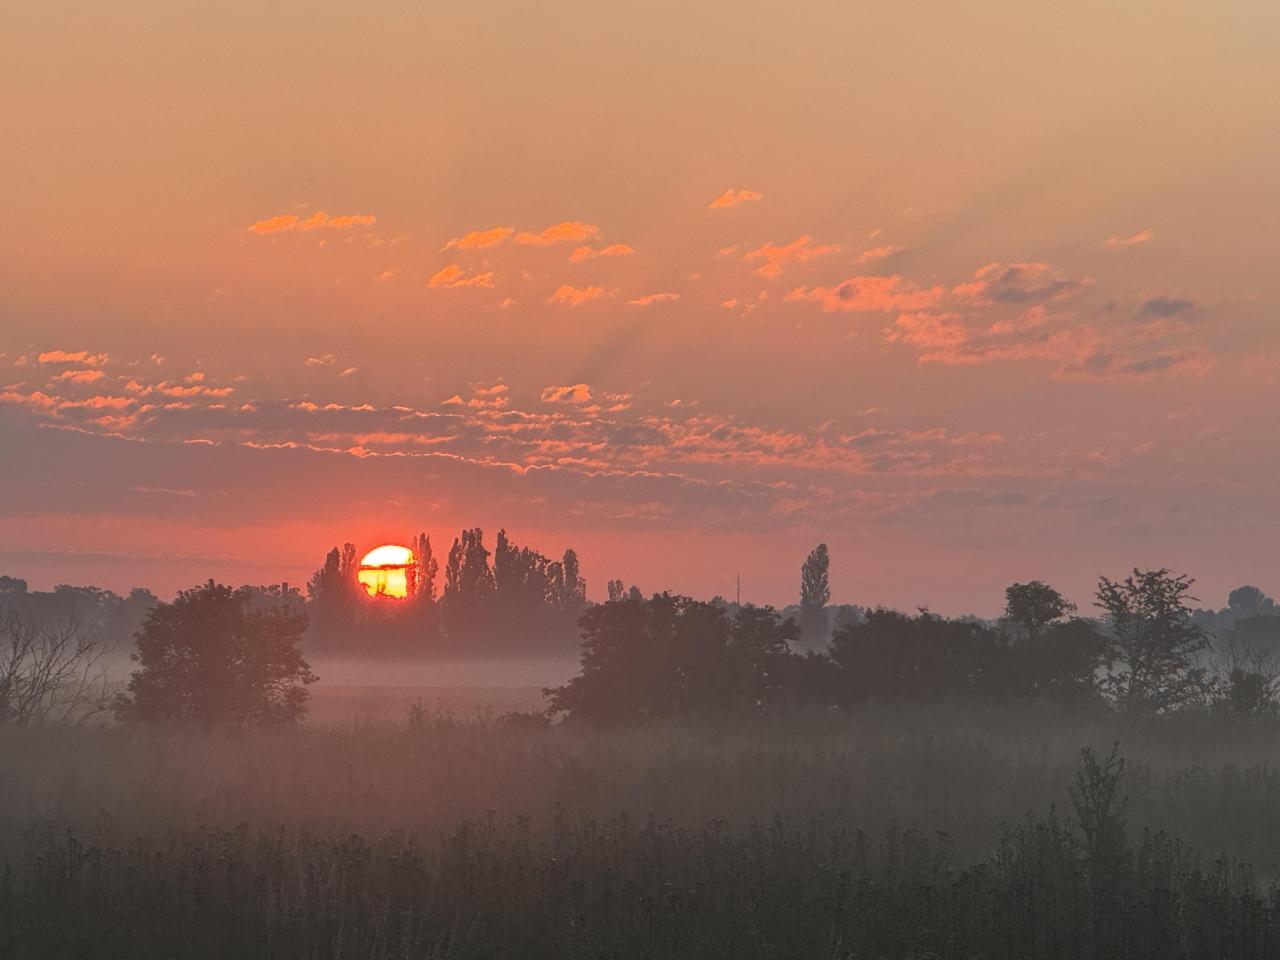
(1153, 645)
(425, 570)
(673, 656)
(893, 656)
(1249, 602)
(214, 657)
(50, 672)
(1030, 607)
(815, 591)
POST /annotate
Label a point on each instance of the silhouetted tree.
(50, 673)
(426, 569)
(1249, 602)
(893, 656)
(1153, 645)
(674, 656)
(210, 657)
(468, 587)
(815, 592)
(1030, 607)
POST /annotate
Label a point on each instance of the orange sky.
(970, 294)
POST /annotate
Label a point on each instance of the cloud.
(591, 253)
(80, 356)
(324, 361)
(276, 224)
(1019, 283)
(1139, 238)
(799, 250)
(1164, 308)
(577, 393)
(868, 294)
(874, 254)
(318, 220)
(570, 231)
(575, 295)
(480, 239)
(731, 198)
(453, 276)
(80, 376)
(651, 298)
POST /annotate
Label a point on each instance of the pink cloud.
(79, 356)
(651, 298)
(576, 393)
(1019, 283)
(591, 253)
(80, 376)
(276, 224)
(570, 231)
(869, 294)
(731, 198)
(875, 254)
(479, 239)
(574, 296)
(318, 220)
(799, 250)
(453, 276)
(1137, 239)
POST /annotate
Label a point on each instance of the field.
(458, 830)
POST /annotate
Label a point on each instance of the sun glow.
(386, 571)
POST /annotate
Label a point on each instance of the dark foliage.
(216, 655)
(673, 656)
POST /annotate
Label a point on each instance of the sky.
(973, 293)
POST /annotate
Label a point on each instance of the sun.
(386, 571)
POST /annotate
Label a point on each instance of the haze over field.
(971, 292)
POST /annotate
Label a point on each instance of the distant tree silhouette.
(1154, 647)
(426, 569)
(212, 656)
(1030, 607)
(1249, 601)
(893, 656)
(468, 588)
(815, 592)
(674, 656)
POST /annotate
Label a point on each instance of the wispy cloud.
(79, 356)
(453, 276)
(288, 221)
(776, 257)
(731, 198)
(876, 254)
(869, 294)
(1136, 240)
(649, 299)
(569, 231)
(480, 239)
(591, 253)
(574, 296)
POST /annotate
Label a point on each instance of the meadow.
(454, 829)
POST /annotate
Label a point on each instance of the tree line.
(218, 654)
(511, 600)
(1145, 653)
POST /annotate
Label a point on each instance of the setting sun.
(384, 571)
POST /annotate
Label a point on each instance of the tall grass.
(893, 832)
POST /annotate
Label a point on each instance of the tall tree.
(815, 592)
(425, 569)
(1153, 646)
(210, 657)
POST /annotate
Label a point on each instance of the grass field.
(894, 831)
